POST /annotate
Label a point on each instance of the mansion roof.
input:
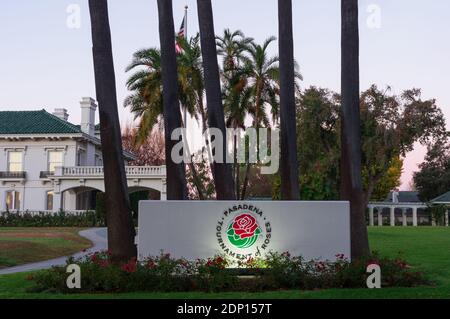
(34, 122)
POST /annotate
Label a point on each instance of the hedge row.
(46, 219)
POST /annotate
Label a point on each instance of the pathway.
(98, 237)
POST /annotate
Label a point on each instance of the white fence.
(97, 171)
(46, 212)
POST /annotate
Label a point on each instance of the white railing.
(45, 212)
(96, 171)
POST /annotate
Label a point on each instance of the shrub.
(45, 219)
(280, 271)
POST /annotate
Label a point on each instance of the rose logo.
(243, 231)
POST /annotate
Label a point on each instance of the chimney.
(88, 108)
(62, 114)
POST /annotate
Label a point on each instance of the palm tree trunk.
(176, 173)
(245, 183)
(121, 230)
(351, 182)
(207, 139)
(289, 162)
(235, 165)
(222, 171)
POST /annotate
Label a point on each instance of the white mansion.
(49, 164)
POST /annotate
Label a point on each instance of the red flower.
(245, 226)
(373, 262)
(340, 256)
(94, 257)
(320, 266)
(129, 267)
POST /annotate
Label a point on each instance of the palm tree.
(232, 46)
(351, 182)
(264, 79)
(289, 163)
(236, 94)
(222, 171)
(176, 173)
(146, 101)
(121, 231)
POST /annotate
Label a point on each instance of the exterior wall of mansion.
(48, 163)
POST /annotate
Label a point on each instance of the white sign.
(243, 229)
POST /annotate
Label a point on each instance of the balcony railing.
(97, 171)
(13, 175)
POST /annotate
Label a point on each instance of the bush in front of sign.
(164, 273)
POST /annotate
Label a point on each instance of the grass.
(425, 248)
(25, 245)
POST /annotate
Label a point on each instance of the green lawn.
(424, 247)
(28, 244)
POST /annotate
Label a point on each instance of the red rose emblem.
(245, 226)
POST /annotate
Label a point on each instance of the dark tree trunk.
(288, 163)
(222, 172)
(121, 231)
(351, 182)
(176, 173)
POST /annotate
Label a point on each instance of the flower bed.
(277, 271)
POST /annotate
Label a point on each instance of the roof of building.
(405, 197)
(34, 122)
(40, 122)
(444, 198)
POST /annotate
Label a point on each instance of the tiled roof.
(405, 197)
(34, 122)
(444, 198)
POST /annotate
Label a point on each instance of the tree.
(176, 173)
(433, 178)
(288, 160)
(236, 95)
(390, 126)
(150, 152)
(389, 180)
(351, 182)
(318, 146)
(121, 231)
(222, 171)
(146, 100)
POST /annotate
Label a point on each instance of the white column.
(446, 217)
(415, 216)
(380, 216)
(57, 202)
(163, 189)
(392, 217)
(404, 220)
(371, 223)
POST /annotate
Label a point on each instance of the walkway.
(98, 237)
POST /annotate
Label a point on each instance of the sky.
(46, 55)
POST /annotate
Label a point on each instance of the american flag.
(180, 34)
